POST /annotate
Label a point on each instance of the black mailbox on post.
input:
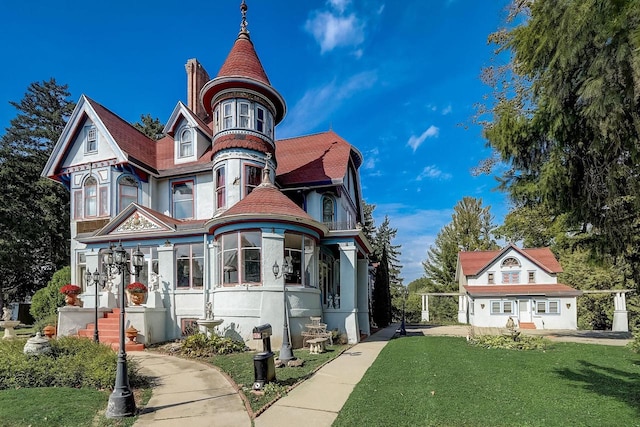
(264, 368)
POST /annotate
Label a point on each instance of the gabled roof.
(182, 111)
(555, 290)
(131, 141)
(318, 159)
(472, 263)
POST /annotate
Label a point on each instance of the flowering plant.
(136, 287)
(70, 289)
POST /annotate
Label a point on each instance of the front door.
(524, 310)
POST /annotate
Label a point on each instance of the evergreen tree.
(34, 215)
(383, 244)
(470, 229)
(564, 117)
(369, 227)
(152, 127)
(381, 305)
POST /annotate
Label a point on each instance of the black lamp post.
(403, 330)
(121, 400)
(97, 279)
(286, 353)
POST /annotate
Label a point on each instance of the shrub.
(635, 344)
(73, 362)
(199, 345)
(523, 342)
(45, 302)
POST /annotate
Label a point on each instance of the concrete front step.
(527, 325)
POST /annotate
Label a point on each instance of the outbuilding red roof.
(312, 159)
(556, 290)
(473, 263)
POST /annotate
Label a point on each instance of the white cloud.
(318, 104)
(432, 172)
(415, 141)
(339, 5)
(447, 110)
(372, 158)
(331, 31)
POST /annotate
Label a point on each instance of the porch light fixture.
(121, 400)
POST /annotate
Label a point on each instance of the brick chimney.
(197, 77)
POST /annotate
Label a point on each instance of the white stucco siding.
(566, 318)
(76, 154)
(541, 276)
(204, 196)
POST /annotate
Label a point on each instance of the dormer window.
(186, 143)
(91, 145)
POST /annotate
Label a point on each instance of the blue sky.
(397, 79)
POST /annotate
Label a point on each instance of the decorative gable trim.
(182, 112)
(137, 222)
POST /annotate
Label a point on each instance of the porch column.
(348, 291)
(462, 308)
(425, 307)
(620, 316)
(363, 295)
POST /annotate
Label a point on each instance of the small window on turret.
(227, 115)
(260, 119)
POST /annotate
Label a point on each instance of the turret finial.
(243, 24)
(266, 173)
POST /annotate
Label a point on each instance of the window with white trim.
(227, 115)
(240, 258)
(329, 278)
(299, 253)
(90, 197)
(510, 277)
(328, 210)
(532, 276)
(183, 199)
(91, 145)
(220, 188)
(189, 265)
(252, 178)
(490, 278)
(186, 143)
(244, 117)
(127, 192)
(502, 307)
(548, 306)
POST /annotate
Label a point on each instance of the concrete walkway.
(189, 392)
(317, 401)
(199, 395)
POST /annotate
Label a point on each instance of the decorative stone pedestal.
(8, 326)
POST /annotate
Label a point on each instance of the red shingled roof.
(522, 290)
(130, 140)
(318, 158)
(250, 142)
(474, 262)
(243, 61)
(266, 199)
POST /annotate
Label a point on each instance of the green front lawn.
(239, 366)
(443, 381)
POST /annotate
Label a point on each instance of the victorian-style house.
(228, 217)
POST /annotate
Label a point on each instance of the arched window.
(186, 143)
(127, 192)
(328, 210)
(90, 197)
(510, 262)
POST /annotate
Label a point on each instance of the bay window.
(90, 197)
(245, 114)
(252, 178)
(240, 258)
(189, 261)
(299, 255)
